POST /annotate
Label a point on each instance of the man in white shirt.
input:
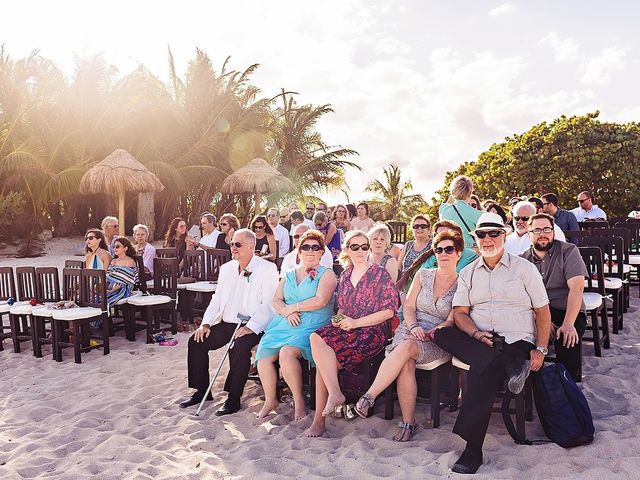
(290, 261)
(246, 287)
(209, 232)
(310, 211)
(587, 210)
(281, 233)
(518, 241)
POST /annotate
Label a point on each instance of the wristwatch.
(542, 350)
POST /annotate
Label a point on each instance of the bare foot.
(332, 402)
(267, 408)
(315, 430)
(299, 414)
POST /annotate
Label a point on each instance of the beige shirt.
(502, 299)
(362, 225)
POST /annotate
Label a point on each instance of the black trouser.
(239, 359)
(486, 372)
(569, 357)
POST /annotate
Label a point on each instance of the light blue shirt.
(467, 212)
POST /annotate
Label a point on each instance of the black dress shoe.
(228, 407)
(195, 399)
(469, 461)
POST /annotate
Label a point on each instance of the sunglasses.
(223, 224)
(355, 247)
(117, 246)
(448, 250)
(258, 227)
(420, 226)
(491, 233)
(538, 231)
(236, 244)
(313, 248)
(524, 219)
(272, 215)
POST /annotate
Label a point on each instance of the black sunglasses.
(314, 248)
(90, 238)
(448, 250)
(491, 233)
(236, 244)
(420, 226)
(258, 227)
(524, 219)
(223, 224)
(355, 247)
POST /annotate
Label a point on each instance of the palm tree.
(393, 197)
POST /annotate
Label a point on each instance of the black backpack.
(562, 408)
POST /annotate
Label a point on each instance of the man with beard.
(563, 272)
(518, 241)
(501, 314)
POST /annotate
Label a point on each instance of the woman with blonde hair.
(458, 208)
(340, 218)
(228, 226)
(366, 298)
(143, 248)
(380, 241)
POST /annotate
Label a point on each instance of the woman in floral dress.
(367, 298)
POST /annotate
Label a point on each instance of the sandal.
(350, 411)
(406, 430)
(338, 411)
(364, 404)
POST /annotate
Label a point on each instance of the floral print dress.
(374, 292)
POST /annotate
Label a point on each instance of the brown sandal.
(406, 430)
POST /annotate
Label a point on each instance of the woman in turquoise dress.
(304, 303)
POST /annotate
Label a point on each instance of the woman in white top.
(142, 248)
(362, 222)
(380, 241)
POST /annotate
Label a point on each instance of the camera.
(498, 340)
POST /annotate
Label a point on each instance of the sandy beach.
(117, 416)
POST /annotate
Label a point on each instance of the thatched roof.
(119, 172)
(257, 176)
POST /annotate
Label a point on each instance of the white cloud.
(565, 49)
(503, 9)
(599, 69)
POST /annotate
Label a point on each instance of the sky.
(424, 84)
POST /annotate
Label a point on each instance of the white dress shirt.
(282, 235)
(595, 212)
(210, 239)
(516, 245)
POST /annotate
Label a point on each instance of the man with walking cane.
(239, 312)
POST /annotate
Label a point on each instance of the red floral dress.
(375, 292)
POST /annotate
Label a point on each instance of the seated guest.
(380, 241)
(210, 233)
(176, 237)
(493, 207)
(362, 221)
(109, 226)
(245, 292)
(310, 210)
(340, 218)
(563, 272)
(285, 218)
(281, 233)
(143, 248)
(427, 307)
(411, 250)
(503, 294)
(475, 202)
(228, 226)
(564, 219)
(586, 210)
(367, 298)
(122, 274)
(97, 255)
(297, 218)
(292, 259)
(518, 241)
(457, 207)
(329, 230)
(265, 240)
(304, 303)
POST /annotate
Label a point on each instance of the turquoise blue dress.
(280, 333)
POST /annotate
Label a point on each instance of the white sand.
(116, 416)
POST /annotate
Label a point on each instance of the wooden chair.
(594, 298)
(633, 245)
(627, 269)
(591, 225)
(74, 264)
(165, 278)
(71, 279)
(117, 320)
(193, 267)
(398, 232)
(48, 288)
(214, 259)
(170, 252)
(7, 291)
(20, 312)
(93, 308)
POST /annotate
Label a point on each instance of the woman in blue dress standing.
(304, 303)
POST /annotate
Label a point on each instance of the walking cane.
(243, 321)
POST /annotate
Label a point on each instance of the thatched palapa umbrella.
(257, 177)
(117, 174)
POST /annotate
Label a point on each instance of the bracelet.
(415, 325)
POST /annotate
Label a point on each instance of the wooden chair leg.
(174, 321)
(150, 317)
(595, 327)
(37, 332)
(15, 326)
(76, 342)
(605, 329)
(435, 397)
(107, 326)
(57, 348)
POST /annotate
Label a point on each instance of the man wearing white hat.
(502, 322)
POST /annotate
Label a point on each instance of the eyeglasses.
(223, 224)
(117, 246)
(236, 244)
(538, 231)
(272, 214)
(355, 247)
(310, 209)
(258, 227)
(91, 237)
(314, 248)
(448, 250)
(491, 233)
(420, 226)
(524, 219)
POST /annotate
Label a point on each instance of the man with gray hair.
(281, 233)
(518, 241)
(210, 233)
(241, 305)
(290, 260)
(109, 227)
(458, 209)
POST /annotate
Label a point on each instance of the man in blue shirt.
(562, 218)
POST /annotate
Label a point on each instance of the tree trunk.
(146, 213)
(65, 227)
